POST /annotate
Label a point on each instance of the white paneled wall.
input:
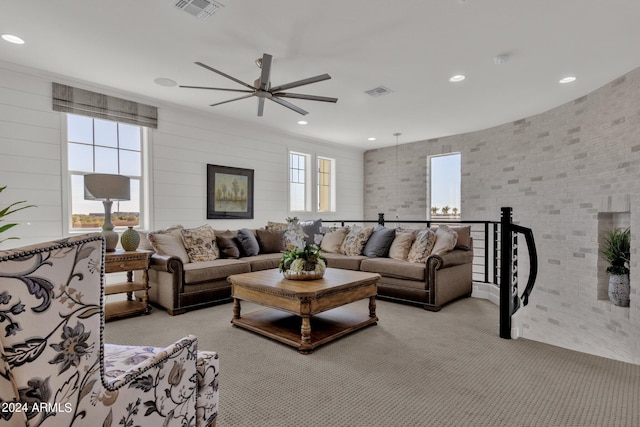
(31, 143)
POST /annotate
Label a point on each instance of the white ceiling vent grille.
(378, 91)
(201, 9)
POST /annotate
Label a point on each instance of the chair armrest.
(449, 259)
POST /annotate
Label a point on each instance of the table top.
(334, 279)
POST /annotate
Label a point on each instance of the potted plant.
(300, 261)
(617, 250)
(9, 210)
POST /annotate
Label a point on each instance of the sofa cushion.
(401, 244)
(446, 240)
(423, 245)
(169, 242)
(248, 242)
(145, 244)
(379, 243)
(344, 262)
(200, 243)
(228, 244)
(270, 241)
(311, 229)
(464, 237)
(355, 240)
(393, 268)
(263, 261)
(218, 269)
(332, 240)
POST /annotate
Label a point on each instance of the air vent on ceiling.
(378, 91)
(201, 9)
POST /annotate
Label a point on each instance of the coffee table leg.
(236, 308)
(372, 306)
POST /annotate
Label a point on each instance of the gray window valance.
(84, 102)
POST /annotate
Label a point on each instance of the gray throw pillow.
(379, 243)
(248, 242)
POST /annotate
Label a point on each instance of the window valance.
(69, 99)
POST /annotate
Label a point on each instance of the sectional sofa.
(427, 267)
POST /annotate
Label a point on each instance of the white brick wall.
(558, 170)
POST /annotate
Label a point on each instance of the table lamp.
(107, 187)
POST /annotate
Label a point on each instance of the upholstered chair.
(55, 369)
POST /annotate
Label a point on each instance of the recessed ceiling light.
(567, 79)
(302, 122)
(163, 81)
(12, 39)
(371, 138)
(457, 78)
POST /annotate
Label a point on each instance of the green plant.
(617, 251)
(302, 259)
(9, 210)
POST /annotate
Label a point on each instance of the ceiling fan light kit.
(262, 89)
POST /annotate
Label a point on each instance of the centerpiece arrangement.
(300, 260)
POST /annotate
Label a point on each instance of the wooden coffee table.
(304, 313)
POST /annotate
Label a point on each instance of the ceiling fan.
(262, 88)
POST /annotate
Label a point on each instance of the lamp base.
(111, 238)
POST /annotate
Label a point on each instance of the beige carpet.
(414, 368)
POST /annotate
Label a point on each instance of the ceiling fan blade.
(266, 72)
(289, 105)
(218, 88)
(302, 96)
(299, 83)
(224, 75)
(231, 100)
(260, 106)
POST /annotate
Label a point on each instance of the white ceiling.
(411, 47)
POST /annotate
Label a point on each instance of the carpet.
(414, 368)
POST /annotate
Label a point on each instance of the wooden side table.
(127, 261)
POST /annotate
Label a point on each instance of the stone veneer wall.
(569, 173)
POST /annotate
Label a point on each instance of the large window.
(299, 182)
(326, 185)
(103, 146)
(444, 186)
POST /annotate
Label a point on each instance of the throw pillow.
(168, 242)
(200, 243)
(332, 240)
(422, 246)
(464, 237)
(270, 241)
(401, 244)
(446, 240)
(248, 242)
(378, 244)
(355, 240)
(145, 244)
(311, 229)
(279, 226)
(228, 244)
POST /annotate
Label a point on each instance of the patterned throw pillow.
(355, 240)
(422, 246)
(169, 242)
(446, 239)
(200, 243)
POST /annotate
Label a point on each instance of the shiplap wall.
(31, 143)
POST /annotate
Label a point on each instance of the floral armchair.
(55, 369)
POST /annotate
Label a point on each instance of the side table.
(127, 261)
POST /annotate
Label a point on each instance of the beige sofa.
(178, 284)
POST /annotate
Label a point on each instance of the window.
(299, 182)
(103, 146)
(444, 186)
(326, 185)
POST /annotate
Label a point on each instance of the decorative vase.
(130, 239)
(619, 289)
(303, 275)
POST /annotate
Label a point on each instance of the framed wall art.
(229, 192)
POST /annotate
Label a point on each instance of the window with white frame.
(103, 146)
(299, 182)
(444, 175)
(326, 185)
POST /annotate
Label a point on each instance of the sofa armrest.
(169, 263)
(449, 259)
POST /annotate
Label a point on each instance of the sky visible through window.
(445, 181)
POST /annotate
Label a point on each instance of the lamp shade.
(103, 186)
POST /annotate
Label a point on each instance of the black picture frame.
(229, 192)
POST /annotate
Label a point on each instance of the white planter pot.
(619, 289)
